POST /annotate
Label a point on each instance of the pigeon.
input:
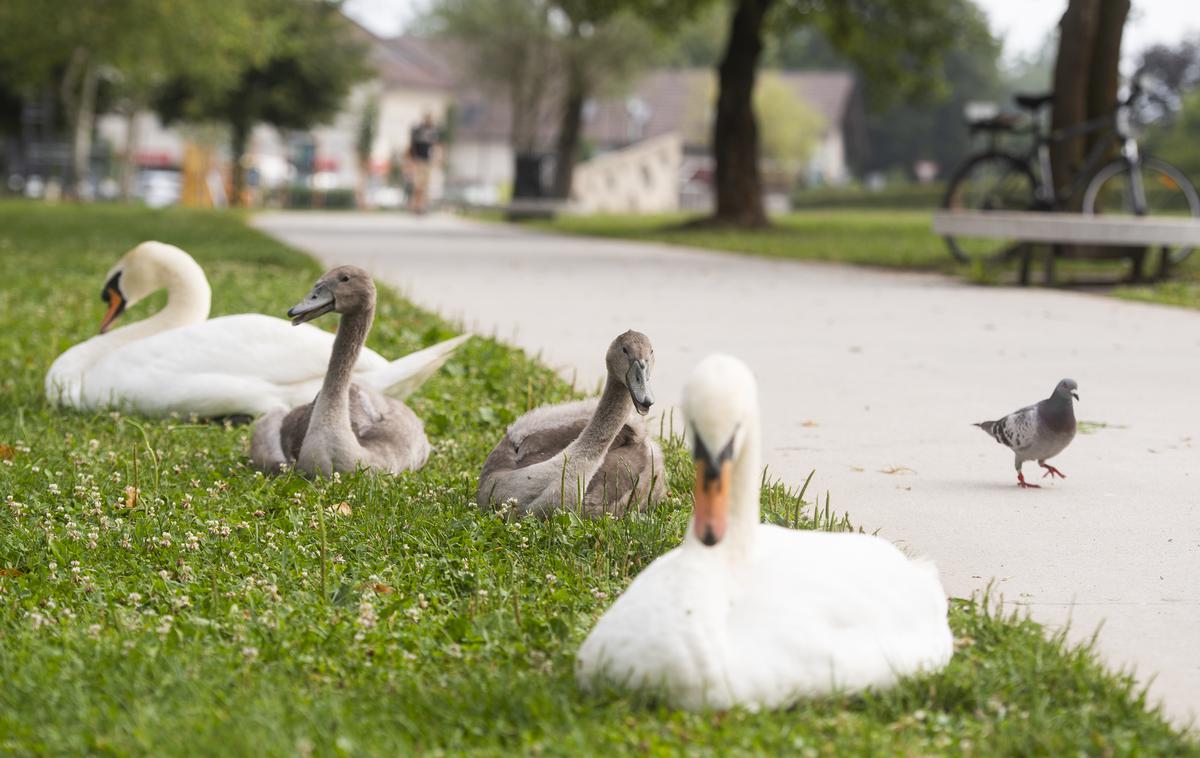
(1039, 431)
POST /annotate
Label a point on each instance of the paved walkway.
(873, 379)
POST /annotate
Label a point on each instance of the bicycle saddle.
(1033, 102)
(1001, 122)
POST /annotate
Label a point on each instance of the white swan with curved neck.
(755, 615)
(180, 361)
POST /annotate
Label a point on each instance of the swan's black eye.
(345, 278)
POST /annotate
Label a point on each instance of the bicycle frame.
(1115, 124)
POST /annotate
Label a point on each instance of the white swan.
(347, 425)
(176, 361)
(753, 615)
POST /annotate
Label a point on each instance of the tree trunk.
(129, 159)
(739, 187)
(1105, 76)
(1085, 80)
(78, 92)
(570, 130)
(239, 136)
(363, 183)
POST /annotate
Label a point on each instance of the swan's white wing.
(663, 635)
(244, 364)
(805, 614)
(403, 376)
(823, 611)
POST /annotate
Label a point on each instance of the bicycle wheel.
(1168, 193)
(991, 181)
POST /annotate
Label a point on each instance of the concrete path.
(873, 379)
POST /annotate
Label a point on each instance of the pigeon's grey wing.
(1018, 430)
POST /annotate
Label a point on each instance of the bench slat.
(1069, 228)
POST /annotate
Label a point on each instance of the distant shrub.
(899, 196)
(306, 198)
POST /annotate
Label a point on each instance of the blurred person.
(422, 150)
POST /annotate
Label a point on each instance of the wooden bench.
(1059, 230)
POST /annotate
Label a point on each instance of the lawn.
(900, 239)
(159, 597)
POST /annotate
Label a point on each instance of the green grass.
(894, 238)
(224, 613)
(900, 239)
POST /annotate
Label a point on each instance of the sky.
(1025, 25)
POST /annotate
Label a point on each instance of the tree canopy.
(132, 45)
(310, 61)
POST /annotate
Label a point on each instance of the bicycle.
(995, 179)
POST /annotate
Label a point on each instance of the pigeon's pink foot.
(1051, 471)
(1022, 483)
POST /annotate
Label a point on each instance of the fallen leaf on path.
(809, 423)
(859, 469)
(897, 470)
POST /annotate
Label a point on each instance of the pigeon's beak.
(1074, 394)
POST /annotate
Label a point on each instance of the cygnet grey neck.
(611, 414)
(333, 404)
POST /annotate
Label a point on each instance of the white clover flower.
(164, 625)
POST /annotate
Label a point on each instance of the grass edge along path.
(899, 239)
(159, 597)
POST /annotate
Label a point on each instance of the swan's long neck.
(744, 510)
(587, 452)
(189, 299)
(332, 408)
(744, 493)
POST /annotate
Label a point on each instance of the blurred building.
(646, 151)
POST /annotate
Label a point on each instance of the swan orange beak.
(116, 306)
(712, 501)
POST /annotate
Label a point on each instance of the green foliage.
(789, 128)
(895, 196)
(897, 45)
(1179, 142)
(889, 229)
(888, 238)
(300, 78)
(307, 198)
(159, 597)
(508, 44)
(368, 129)
(934, 129)
(536, 51)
